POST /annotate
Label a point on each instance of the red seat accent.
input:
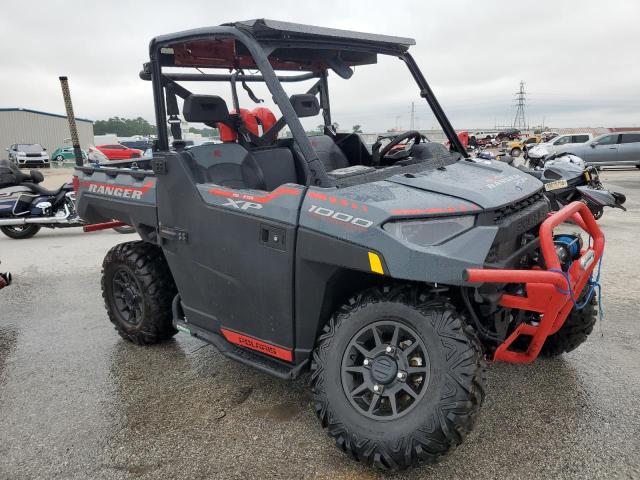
(227, 134)
(265, 117)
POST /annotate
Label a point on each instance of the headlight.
(429, 232)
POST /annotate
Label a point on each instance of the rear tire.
(515, 152)
(447, 377)
(21, 232)
(137, 288)
(574, 332)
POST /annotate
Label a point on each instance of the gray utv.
(391, 272)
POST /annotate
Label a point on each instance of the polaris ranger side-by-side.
(391, 272)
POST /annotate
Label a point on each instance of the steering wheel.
(378, 154)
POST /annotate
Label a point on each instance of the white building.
(21, 125)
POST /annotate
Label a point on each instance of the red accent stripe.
(319, 196)
(422, 211)
(145, 188)
(258, 345)
(253, 198)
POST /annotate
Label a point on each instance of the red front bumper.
(546, 290)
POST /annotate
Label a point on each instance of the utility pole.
(413, 116)
(520, 120)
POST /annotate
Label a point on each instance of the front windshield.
(30, 148)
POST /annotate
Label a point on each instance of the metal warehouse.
(21, 125)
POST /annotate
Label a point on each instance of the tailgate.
(127, 195)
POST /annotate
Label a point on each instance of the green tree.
(205, 132)
(356, 129)
(124, 127)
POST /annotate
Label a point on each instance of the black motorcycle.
(26, 206)
(566, 178)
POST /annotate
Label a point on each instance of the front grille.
(501, 214)
(33, 155)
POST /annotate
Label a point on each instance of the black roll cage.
(260, 50)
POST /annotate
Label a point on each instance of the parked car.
(143, 145)
(65, 153)
(516, 147)
(547, 136)
(96, 156)
(117, 151)
(511, 134)
(26, 155)
(610, 149)
(564, 143)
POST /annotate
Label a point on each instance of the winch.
(568, 247)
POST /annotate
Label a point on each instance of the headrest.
(305, 104)
(228, 134)
(205, 109)
(265, 117)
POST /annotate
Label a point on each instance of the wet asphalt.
(77, 401)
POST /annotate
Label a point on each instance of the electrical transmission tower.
(520, 120)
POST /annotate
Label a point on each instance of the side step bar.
(243, 355)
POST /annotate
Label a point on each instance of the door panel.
(605, 152)
(629, 148)
(235, 269)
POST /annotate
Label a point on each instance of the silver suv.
(26, 155)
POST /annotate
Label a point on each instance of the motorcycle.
(566, 178)
(26, 206)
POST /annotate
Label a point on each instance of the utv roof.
(290, 46)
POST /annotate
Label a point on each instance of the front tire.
(436, 403)
(515, 152)
(577, 327)
(137, 288)
(20, 232)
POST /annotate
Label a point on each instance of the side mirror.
(305, 104)
(593, 144)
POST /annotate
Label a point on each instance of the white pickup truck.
(562, 142)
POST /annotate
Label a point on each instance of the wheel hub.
(384, 369)
(127, 296)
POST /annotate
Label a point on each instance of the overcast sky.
(580, 60)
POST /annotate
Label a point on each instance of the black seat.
(228, 165)
(277, 165)
(40, 190)
(329, 153)
(231, 165)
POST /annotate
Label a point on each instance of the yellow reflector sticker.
(375, 263)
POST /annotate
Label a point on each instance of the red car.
(119, 152)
